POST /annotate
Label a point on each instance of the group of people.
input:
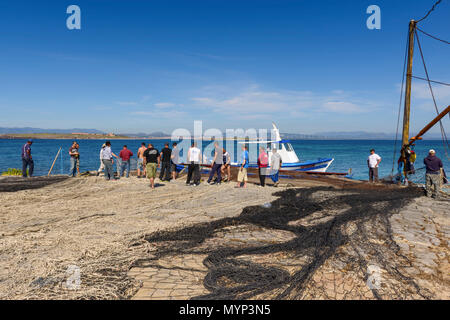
(221, 165)
(168, 160)
(149, 159)
(434, 176)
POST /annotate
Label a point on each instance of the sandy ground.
(107, 233)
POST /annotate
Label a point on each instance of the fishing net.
(308, 243)
(416, 177)
(315, 243)
(12, 184)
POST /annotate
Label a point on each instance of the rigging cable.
(438, 82)
(431, 36)
(443, 134)
(400, 105)
(431, 10)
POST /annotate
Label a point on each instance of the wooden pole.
(406, 112)
(54, 161)
(430, 125)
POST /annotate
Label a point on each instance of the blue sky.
(143, 66)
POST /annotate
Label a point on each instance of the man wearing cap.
(433, 176)
(27, 159)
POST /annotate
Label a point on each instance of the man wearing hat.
(27, 159)
(433, 176)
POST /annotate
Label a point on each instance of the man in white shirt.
(107, 159)
(102, 166)
(175, 159)
(275, 165)
(373, 162)
(194, 159)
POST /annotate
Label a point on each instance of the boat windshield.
(289, 147)
(272, 145)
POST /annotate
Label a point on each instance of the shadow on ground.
(317, 220)
(13, 184)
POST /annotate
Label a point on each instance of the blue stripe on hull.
(312, 168)
(312, 165)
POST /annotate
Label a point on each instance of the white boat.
(289, 158)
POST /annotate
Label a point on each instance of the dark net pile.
(315, 243)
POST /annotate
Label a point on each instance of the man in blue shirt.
(27, 159)
(242, 174)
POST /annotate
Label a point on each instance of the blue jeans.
(401, 176)
(73, 167)
(109, 172)
(27, 163)
(215, 169)
(125, 165)
(274, 177)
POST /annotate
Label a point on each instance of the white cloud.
(254, 100)
(160, 114)
(137, 102)
(422, 91)
(164, 105)
(341, 107)
(127, 103)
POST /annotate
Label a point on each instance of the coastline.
(57, 136)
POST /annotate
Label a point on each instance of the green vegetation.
(12, 172)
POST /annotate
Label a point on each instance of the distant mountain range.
(157, 134)
(39, 130)
(332, 135)
(29, 130)
(352, 135)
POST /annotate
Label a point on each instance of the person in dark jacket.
(433, 175)
(27, 159)
(166, 154)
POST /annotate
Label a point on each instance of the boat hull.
(320, 165)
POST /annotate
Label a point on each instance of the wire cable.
(430, 11)
(431, 36)
(400, 105)
(438, 82)
(443, 134)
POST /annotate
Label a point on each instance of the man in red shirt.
(125, 154)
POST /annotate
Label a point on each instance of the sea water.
(346, 153)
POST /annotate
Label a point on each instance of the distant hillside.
(157, 134)
(29, 130)
(331, 135)
(39, 130)
(351, 135)
(358, 135)
(299, 136)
